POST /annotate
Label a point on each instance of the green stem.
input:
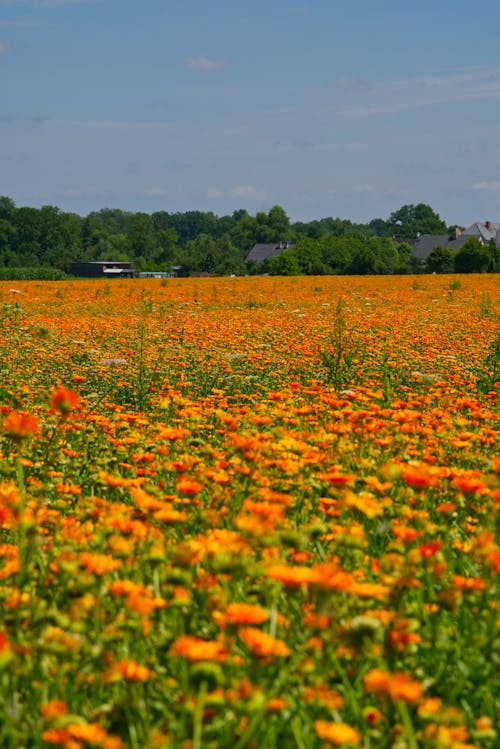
(21, 485)
(198, 716)
(407, 724)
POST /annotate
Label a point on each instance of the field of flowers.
(250, 512)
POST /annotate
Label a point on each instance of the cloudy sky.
(348, 108)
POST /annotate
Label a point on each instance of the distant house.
(103, 269)
(261, 252)
(484, 232)
(427, 243)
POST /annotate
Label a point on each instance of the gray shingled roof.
(261, 251)
(428, 242)
(487, 231)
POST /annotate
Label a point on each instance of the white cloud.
(245, 191)
(204, 64)
(492, 186)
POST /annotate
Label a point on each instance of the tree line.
(202, 242)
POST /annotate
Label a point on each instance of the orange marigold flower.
(429, 549)
(293, 577)
(196, 649)
(64, 400)
(419, 478)
(99, 564)
(325, 696)
(275, 704)
(368, 590)
(338, 733)
(19, 425)
(245, 613)
(397, 685)
(144, 606)
(129, 670)
(468, 583)
(469, 484)
(54, 709)
(61, 737)
(263, 644)
(189, 486)
(92, 733)
(335, 478)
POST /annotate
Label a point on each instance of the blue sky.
(348, 108)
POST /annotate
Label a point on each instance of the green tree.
(441, 260)
(472, 257)
(7, 242)
(285, 264)
(143, 244)
(410, 220)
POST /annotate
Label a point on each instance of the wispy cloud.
(204, 64)
(492, 186)
(4, 48)
(155, 192)
(351, 96)
(249, 192)
(113, 124)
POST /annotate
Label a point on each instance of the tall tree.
(410, 220)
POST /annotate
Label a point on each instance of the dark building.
(261, 251)
(103, 269)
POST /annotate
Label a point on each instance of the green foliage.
(32, 274)
(410, 220)
(441, 260)
(472, 257)
(202, 242)
(344, 352)
(488, 377)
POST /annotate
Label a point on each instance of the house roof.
(262, 251)
(426, 243)
(486, 230)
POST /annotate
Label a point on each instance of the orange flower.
(196, 649)
(54, 709)
(189, 486)
(293, 577)
(397, 685)
(469, 484)
(129, 670)
(99, 564)
(336, 478)
(325, 696)
(19, 425)
(338, 733)
(419, 478)
(275, 704)
(263, 644)
(245, 613)
(64, 400)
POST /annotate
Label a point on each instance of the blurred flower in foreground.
(64, 400)
(19, 425)
(338, 733)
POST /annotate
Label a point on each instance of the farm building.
(103, 269)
